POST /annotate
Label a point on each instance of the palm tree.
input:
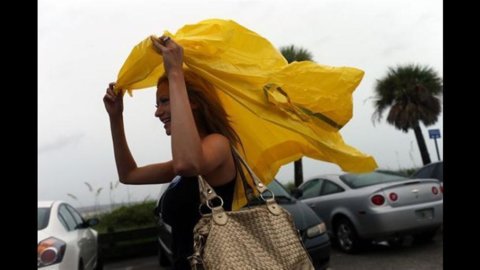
(411, 92)
(291, 54)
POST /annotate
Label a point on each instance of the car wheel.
(80, 265)
(162, 258)
(396, 241)
(346, 236)
(99, 263)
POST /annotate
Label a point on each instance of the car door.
(71, 236)
(328, 196)
(310, 195)
(87, 239)
(331, 197)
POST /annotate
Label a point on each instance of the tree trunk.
(421, 144)
(298, 172)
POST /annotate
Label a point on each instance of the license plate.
(424, 213)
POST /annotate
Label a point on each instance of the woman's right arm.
(128, 171)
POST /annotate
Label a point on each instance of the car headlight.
(316, 230)
(50, 251)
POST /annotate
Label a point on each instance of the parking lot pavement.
(143, 263)
(427, 256)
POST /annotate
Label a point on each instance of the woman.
(201, 141)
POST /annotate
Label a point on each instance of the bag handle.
(205, 189)
(208, 194)
(246, 186)
(258, 184)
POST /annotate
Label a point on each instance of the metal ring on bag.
(211, 206)
(261, 195)
(200, 208)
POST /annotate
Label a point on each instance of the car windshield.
(43, 216)
(278, 190)
(368, 179)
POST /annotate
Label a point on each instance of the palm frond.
(292, 53)
(89, 186)
(72, 196)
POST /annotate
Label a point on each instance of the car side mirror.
(296, 192)
(89, 223)
(92, 222)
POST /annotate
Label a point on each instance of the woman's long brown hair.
(209, 114)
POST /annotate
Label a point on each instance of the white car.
(65, 239)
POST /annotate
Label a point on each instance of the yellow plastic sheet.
(280, 111)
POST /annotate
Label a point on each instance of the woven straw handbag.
(259, 237)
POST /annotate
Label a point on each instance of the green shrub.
(127, 217)
(403, 172)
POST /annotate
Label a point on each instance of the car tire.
(346, 236)
(80, 265)
(425, 237)
(396, 241)
(162, 258)
(99, 265)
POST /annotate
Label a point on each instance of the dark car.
(311, 228)
(432, 170)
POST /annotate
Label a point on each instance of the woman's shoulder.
(216, 136)
(216, 140)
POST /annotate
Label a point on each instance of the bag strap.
(209, 195)
(246, 186)
(258, 184)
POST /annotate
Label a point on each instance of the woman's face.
(163, 106)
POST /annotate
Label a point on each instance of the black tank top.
(179, 205)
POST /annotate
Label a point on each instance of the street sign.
(434, 133)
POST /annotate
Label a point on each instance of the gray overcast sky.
(83, 44)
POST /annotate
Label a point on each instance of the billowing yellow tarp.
(280, 111)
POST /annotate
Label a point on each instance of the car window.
(329, 188)
(368, 179)
(64, 223)
(67, 217)
(43, 216)
(78, 218)
(311, 188)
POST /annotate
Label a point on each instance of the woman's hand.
(113, 102)
(172, 53)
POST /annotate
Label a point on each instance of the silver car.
(359, 208)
